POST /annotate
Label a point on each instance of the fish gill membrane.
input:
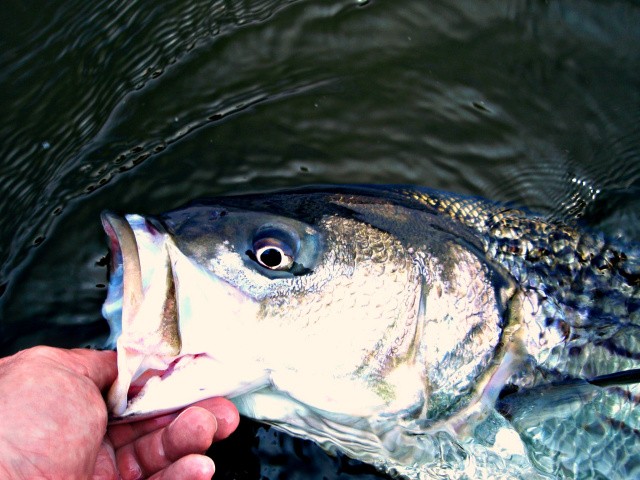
(429, 334)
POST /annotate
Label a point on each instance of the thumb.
(100, 366)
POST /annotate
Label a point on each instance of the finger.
(124, 433)
(105, 466)
(226, 413)
(191, 432)
(227, 418)
(191, 467)
(100, 366)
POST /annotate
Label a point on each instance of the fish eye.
(275, 247)
(273, 254)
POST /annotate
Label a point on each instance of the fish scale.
(594, 279)
(595, 283)
(409, 322)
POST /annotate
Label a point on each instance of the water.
(142, 106)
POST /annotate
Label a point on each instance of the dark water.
(141, 106)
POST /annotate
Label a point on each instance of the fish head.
(300, 295)
(245, 298)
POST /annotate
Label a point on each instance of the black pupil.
(271, 257)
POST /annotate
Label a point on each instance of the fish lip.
(140, 390)
(124, 271)
(125, 288)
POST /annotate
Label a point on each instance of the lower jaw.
(138, 384)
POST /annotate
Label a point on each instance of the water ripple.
(67, 73)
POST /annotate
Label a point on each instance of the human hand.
(170, 444)
(53, 424)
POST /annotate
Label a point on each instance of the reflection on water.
(141, 106)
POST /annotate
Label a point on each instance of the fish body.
(426, 333)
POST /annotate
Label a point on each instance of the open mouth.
(170, 324)
(139, 382)
(141, 306)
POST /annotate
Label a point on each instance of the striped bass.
(429, 334)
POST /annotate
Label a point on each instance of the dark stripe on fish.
(614, 349)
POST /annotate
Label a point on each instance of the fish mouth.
(141, 306)
(159, 306)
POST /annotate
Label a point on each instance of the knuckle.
(40, 351)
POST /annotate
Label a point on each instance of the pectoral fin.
(589, 424)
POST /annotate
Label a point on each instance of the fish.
(430, 334)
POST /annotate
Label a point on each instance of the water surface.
(141, 106)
